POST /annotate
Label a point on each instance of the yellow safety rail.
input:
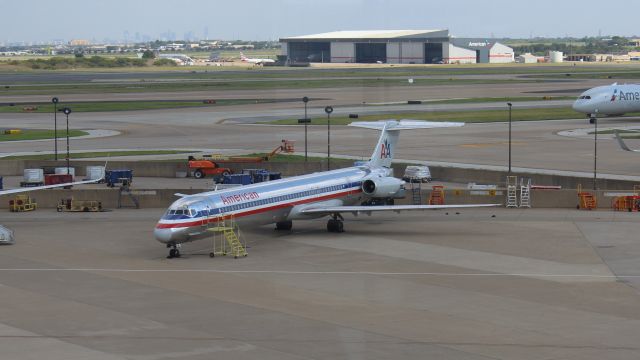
(226, 238)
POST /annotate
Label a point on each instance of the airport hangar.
(394, 47)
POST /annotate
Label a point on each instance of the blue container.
(260, 176)
(237, 179)
(121, 176)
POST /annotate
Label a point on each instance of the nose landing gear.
(174, 252)
(335, 224)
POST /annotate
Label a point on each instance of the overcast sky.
(41, 20)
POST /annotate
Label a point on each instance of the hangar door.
(432, 53)
(310, 51)
(371, 53)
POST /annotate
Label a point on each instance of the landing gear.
(592, 120)
(335, 224)
(284, 225)
(174, 252)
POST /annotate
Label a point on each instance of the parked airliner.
(255, 60)
(609, 100)
(328, 193)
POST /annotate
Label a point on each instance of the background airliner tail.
(383, 154)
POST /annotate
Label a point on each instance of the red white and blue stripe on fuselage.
(200, 209)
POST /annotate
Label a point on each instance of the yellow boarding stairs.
(226, 237)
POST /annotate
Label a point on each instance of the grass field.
(125, 105)
(95, 154)
(476, 116)
(40, 134)
(237, 85)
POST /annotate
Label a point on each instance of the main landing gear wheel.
(284, 225)
(335, 224)
(174, 252)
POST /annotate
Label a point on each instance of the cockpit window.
(188, 212)
(585, 97)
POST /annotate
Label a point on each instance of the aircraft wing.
(622, 144)
(396, 208)
(20, 190)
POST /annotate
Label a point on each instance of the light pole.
(306, 121)
(595, 148)
(67, 111)
(328, 110)
(510, 104)
(55, 127)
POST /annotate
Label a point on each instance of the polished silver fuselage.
(188, 218)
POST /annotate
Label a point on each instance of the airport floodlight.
(328, 110)
(67, 111)
(595, 148)
(305, 100)
(510, 105)
(55, 101)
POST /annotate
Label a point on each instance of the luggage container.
(275, 176)
(121, 176)
(55, 179)
(32, 177)
(94, 173)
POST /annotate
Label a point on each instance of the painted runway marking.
(289, 272)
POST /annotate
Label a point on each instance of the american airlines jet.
(329, 193)
(255, 60)
(609, 100)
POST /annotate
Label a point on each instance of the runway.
(407, 287)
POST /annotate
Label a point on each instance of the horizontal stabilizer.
(367, 209)
(405, 124)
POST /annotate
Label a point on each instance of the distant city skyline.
(36, 21)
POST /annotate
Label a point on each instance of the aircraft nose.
(162, 235)
(578, 106)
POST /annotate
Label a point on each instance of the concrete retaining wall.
(162, 198)
(443, 173)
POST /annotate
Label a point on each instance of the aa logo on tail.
(385, 150)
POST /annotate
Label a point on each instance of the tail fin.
(383, 154)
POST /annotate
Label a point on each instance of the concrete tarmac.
(526, 284)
